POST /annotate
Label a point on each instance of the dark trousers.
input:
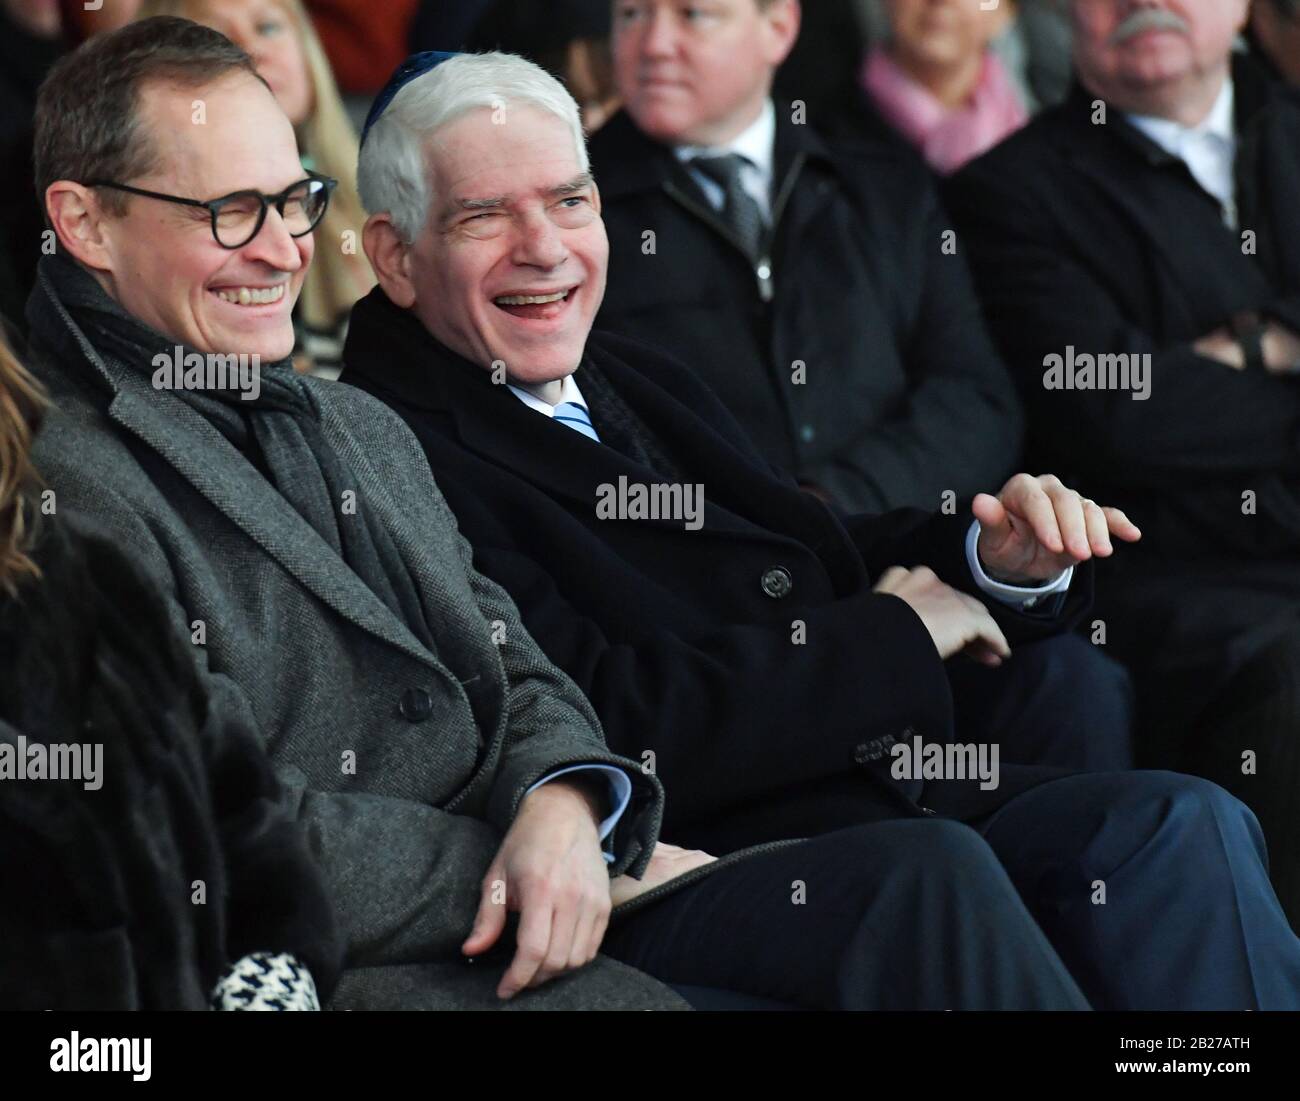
(1138, 890)
(1248, 740)
(1214, 648)
(1061, 702)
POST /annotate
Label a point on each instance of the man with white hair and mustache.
(1154, 214)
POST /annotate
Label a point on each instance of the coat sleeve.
(1040, 297)
(551, 724)
(959, 426)
(910, 538)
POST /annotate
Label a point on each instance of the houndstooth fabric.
(275, 982)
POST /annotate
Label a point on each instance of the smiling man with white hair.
(478, 308)
(1155, 214)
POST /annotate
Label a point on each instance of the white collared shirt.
(568, 392)
(757, 144)
(1209, 150)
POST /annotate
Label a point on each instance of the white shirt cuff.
(620, 792)
(1022, 598)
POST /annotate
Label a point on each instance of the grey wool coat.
(405, 766)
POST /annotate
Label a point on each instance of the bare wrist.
(572, 793)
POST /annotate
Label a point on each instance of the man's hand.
(1281, 349)
(1036, 528)
(957, 622)
(550, 869)
(1279, 345)
(1222, 347)
(666, 862)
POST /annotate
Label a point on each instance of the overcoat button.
(777, 582)
(416, 705)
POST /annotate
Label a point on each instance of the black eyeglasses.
(238, 217)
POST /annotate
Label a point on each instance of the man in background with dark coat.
(809, 285)
(1138, 253)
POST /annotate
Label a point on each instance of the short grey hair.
(393, 171)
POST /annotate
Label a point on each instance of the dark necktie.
(741, 213)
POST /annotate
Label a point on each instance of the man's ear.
(595, 196)
(1245, 14)
(79, 222)
(390, 256)
(782, 20)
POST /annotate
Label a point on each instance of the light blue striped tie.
(575, 416)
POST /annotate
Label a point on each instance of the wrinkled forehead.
(521, 147)
(211, 139)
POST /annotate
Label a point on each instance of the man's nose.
(540, 244)
(660, 34)
(274, 245)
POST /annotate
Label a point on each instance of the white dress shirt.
(757, 144)
(1209, 150)
(568, 392)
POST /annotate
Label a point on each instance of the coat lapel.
(797, 194)
(1268, 173)
(745, 486)
(390, 350)
(632, 164)
(496, 426)
(1146, 182)
(226, 479)
(207, 460)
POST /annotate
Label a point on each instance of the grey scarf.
(279, 431)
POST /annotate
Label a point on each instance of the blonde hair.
(336, 278)
(21, 406)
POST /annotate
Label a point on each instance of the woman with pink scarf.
(939, 83)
